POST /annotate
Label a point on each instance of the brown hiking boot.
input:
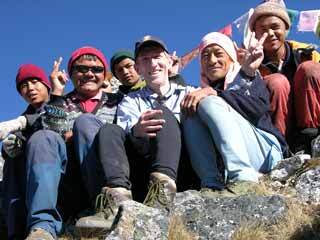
(106, 208)
(39, 234)
(162, 191)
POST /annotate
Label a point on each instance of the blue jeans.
(85, 129)
(46, 162)
(245, 150)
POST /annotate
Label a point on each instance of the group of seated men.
(93, 148)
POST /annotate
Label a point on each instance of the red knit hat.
(87, 50)
(27, 71)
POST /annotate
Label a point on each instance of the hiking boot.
(303, 140)
(39, 234)
(246, 188)
(162, 191)
(106, 208)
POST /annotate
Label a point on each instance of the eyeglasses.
(85, 69)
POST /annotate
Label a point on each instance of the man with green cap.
(122, 67)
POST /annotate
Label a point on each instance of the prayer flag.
(187, 58)
(227, 30)
(308, 20)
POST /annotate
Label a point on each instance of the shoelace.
(156, 194)
(104, 203)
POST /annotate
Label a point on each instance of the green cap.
(118, 57)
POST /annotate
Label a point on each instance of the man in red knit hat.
(65, 132)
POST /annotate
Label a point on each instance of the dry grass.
(178, 230)
(301, 222)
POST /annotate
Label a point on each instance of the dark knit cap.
(118, 57)
(28, 71)
(270, 9)
(148, 41)
(90, 51)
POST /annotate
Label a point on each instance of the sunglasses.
(85, 69)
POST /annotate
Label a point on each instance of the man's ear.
(136, 67)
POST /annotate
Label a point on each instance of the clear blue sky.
(39, 31)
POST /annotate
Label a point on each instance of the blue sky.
(39, 31)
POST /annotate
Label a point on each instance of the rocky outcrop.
(209, 216)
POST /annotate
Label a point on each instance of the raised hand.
(174, 70)
(58, 78)
(149, 124)
(254, 55)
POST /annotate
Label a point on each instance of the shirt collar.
(78, 97)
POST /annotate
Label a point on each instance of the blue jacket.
(250, 98)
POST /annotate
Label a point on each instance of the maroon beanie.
(87, 50)
(27, 71)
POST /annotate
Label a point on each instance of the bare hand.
(68, 136)
(174, 70)
(191, 101)
(58, 78)
(254, 55)
(241, 52)
(148, 124)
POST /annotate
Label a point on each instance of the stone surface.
(137, 221)
(205, 217)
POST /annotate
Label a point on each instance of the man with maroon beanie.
(84, 110)
(33, 85)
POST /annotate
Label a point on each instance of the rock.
(137, 221)
(308, 186)
(219, 217)
(206, 217)
(286, 167)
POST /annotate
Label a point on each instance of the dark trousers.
(127, 161)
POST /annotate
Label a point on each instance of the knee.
(277, 84)
(307, 75)
(112, 131)
(43, 137)
(213, 108)
(308, 69)
(83, 121)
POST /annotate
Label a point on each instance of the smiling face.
(34, 92)
(215, 62)
(126, 72)
(153, 63)
(276, 29)
(87, 83)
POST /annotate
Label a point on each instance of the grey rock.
(219, 217)
(137, 221)
(308, 186)
(286, 167)
(205, 217)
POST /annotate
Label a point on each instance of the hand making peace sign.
(254, 54)
(58, 78)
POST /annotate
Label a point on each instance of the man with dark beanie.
(122, 67)
(291, 71)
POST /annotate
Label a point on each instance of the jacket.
(296, 53)
(250, 98)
